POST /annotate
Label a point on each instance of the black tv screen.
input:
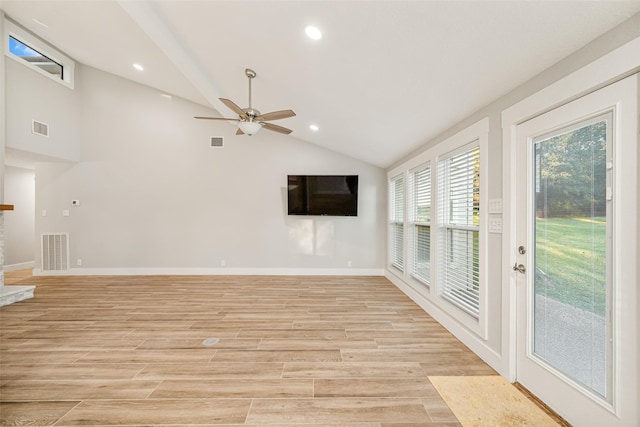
(334, 195)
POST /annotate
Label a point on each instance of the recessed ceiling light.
(314, 128)
(138, 67)
(313, 32)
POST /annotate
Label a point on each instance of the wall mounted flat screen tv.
(332, 195)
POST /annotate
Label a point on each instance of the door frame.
(615, 66)
(541, 378)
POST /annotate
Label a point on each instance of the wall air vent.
(39, 128)
(55, 252)
(217, 141)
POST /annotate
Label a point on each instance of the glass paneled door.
(572, 324)
(571, 246)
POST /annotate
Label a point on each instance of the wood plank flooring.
(342, 351)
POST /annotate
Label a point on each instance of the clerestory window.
(32, 52)
(35, 58)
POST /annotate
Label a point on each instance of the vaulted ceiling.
(386, 77)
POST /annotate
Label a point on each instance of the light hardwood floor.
(347, 351)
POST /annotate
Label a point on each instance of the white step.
(11, 294)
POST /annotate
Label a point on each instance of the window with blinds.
(421, 224)
(396, 226)
(459, 220)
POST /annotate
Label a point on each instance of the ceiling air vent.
(217, 141)
(39, 128)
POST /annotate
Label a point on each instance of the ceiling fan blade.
(239, 132)
(276, 128)
(232, 106)
(275, 115)
(216, 118)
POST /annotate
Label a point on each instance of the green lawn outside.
(571, 261)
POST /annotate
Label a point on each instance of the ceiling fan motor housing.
(252, 113)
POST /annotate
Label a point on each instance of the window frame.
(447, 228)
(12, 30)
(394, 222)
(415, 224)
(427, 296)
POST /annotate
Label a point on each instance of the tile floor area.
(342, 351)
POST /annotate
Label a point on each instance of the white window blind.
(396, 226)
(421, 224)
(459, 220)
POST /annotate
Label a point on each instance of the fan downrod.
(250, 74)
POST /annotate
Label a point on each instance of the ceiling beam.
(150, 20)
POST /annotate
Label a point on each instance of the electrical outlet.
(79, 262)
(223, 263)
(349, 264)
(44, 212)
(65, 212)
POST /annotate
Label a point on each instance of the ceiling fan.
(250, 120)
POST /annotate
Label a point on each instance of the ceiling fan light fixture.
(250, 128)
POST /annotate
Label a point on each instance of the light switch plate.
(495, 225)
(495, 206)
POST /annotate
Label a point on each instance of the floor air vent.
(39, 128)
(55, 252)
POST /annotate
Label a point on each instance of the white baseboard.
(213, 272)
(19, 266)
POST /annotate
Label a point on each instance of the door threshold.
(535, 399)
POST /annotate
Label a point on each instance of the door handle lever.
(519, 267)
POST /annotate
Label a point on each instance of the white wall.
(19, 223)
(154, 196)
(26, 96)
(494, 348)
(30, 96)
(2, 109)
